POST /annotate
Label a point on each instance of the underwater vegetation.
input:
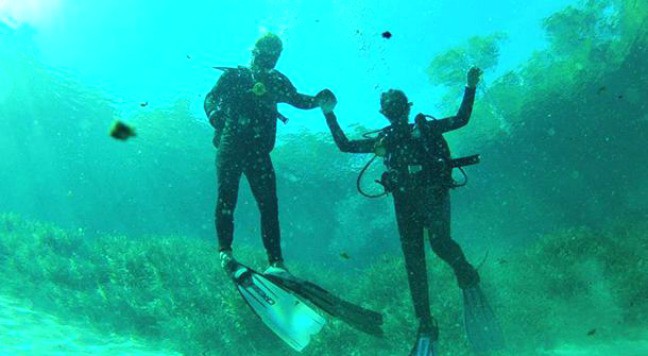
(578, 285)
(560, 136)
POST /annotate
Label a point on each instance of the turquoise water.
(112, 243)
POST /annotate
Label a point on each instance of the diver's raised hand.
(326, 100)
(472, 78)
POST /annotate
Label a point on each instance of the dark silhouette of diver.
(419, 177)
(242, 108)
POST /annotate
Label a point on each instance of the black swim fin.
(354, 315)
(482, 328)
(285, 314)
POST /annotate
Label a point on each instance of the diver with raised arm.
(418, 176)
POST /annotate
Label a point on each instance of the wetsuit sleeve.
(343, 143)
(289, 95)
(462, 117)
(213, 104)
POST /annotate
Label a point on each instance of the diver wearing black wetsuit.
(419, 179)
(242, 108)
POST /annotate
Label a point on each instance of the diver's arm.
(289, 95)
(465, 110)
(462, 117)
(214, 115)
(343, 143)
(302, 101)
(213, 104)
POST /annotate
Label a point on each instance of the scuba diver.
(242, 108)
(419, 177)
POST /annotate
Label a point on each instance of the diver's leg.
(437, 221)
(482, 327)
(263, 184)
(410, 228)
(228, 175)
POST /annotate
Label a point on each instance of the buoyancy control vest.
(246, 106)
(417, 152)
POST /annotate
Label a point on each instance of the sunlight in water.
(35, 12)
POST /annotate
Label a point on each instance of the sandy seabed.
(26, 332)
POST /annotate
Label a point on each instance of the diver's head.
(266, 51)
(395, 107)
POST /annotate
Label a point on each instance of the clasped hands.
(326, 101)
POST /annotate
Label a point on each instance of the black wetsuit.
(420, 186)
(242, 108)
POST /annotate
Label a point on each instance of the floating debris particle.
(121, 131)
(387, 34)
